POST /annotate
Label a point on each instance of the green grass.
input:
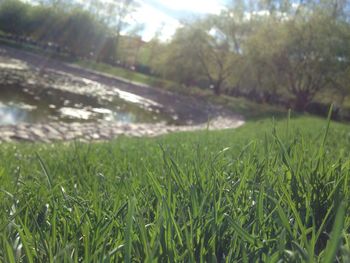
(118, 72)
(264, 192)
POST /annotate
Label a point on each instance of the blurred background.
(251, 57)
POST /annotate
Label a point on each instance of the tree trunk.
(217, 90)
(217, 87)
(302, 99)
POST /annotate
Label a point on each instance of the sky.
(166, 15)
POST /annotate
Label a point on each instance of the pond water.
(33, 96)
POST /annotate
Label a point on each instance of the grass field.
(265, 192)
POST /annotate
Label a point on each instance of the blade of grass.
(333, 244)
(128, 230)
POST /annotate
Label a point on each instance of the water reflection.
(18, 104)
(29, 95)
(13, 64)
(10, 115)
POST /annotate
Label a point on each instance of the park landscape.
(228, 141)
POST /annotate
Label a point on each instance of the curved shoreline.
(101, 131)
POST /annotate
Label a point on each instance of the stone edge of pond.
(101, 131)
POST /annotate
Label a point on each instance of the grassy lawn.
(263, 192)
(118, 72)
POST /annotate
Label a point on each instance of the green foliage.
(200, 54)
(302, 54)
(179, 60)
(275, 51)
(13, 15)
(264, 192)
(71, 29)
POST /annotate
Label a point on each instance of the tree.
(81, 32)
(13, 15)
(178, 60)
(232, 30)
(218, 50)
(304, 53)
(202, 50)
(152, 50)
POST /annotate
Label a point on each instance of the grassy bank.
(262, 192)
(247, 108)
(118, 72)
(242, 106)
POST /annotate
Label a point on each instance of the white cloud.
(153, 20)
(154, 17)
(197, 6)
